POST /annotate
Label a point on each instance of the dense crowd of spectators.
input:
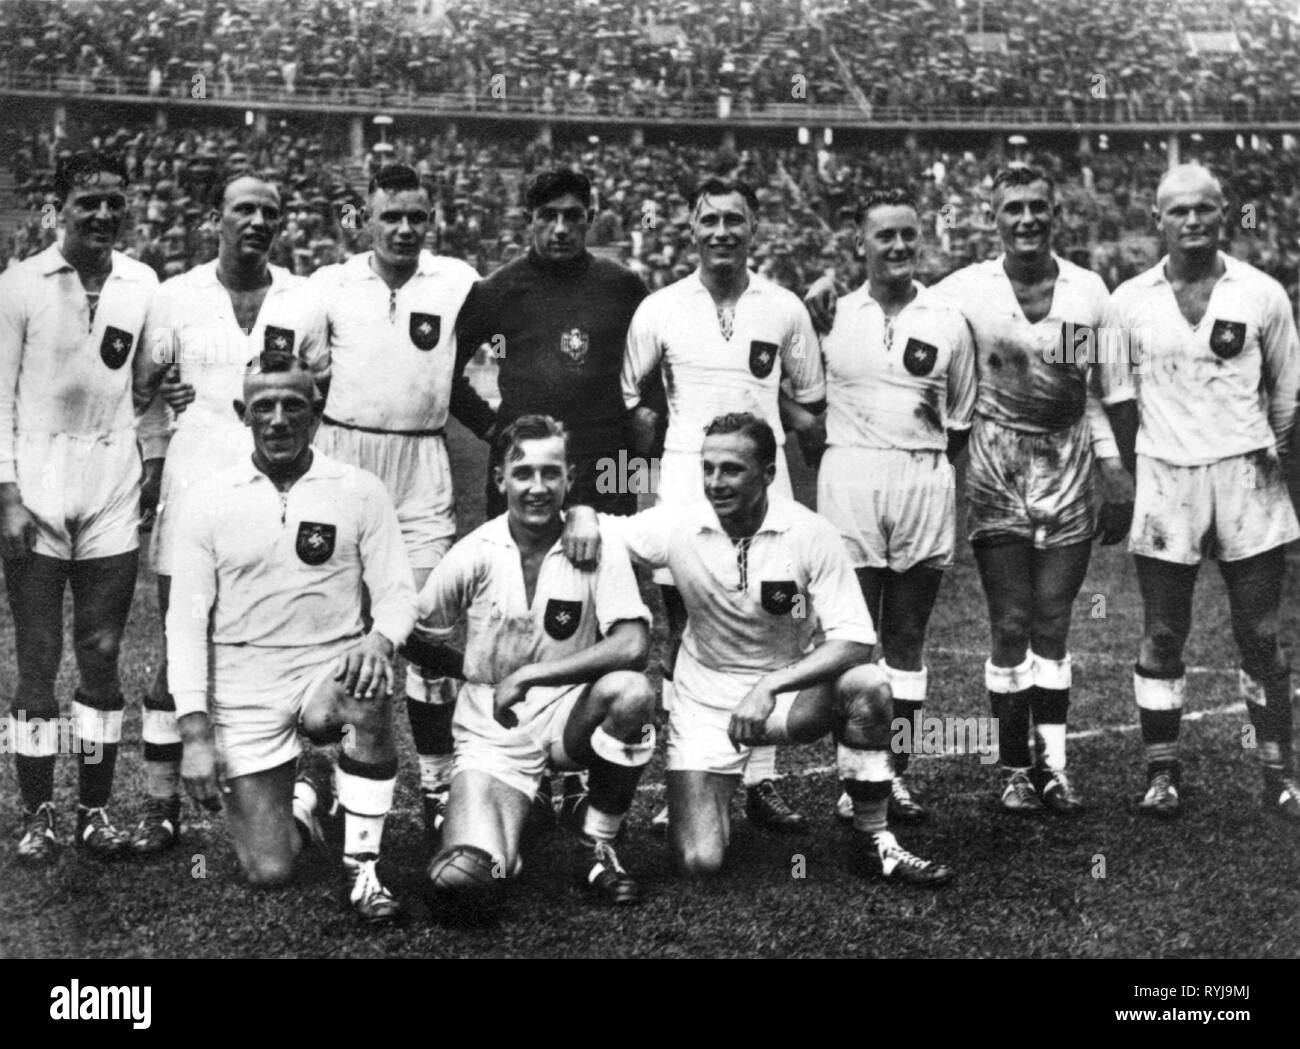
(1125, 59)
(808, 198)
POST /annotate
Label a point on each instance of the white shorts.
(518, 756)
(1228, 510)
(681, 482)
(194, 454)
(697, 732)
(896, 509)
(1032, 486)
(417, 474)
(84, 492)
(258, 697)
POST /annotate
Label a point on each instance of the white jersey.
(63, 371)
(706, 374)
(481, 582)
(1224, 387)
(192, 323)
(258, 567)
(901, 382)
(754, 608)
(392, 352)
(1043, 377)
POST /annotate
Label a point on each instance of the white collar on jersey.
(861, 297)
(205, 275)
(358, 267)
(497, 531)
(322, 466)
(1233, 269)
(780, 515)
(51, 261)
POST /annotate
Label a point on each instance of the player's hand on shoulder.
(367, 670)
(202, 770)
(747, 723)
(820, 303)
(1116, 516)
(507, 693)
(177, 393)
(17, 526)
(581, 537)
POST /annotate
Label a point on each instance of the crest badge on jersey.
(777, 595)
(277, 340)
(762, 356)
(562, 618)
(1227, 339)
(315, 542)
(115, 347)
(574, 346)
(425, 330)
(919, 357)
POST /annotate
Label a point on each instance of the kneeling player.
(776, 650)
(550, 667)
(269, 563)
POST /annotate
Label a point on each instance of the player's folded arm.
(625, 647)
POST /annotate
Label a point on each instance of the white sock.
(435, 772)
(601, 826)
(1052, 738)
(761, 766)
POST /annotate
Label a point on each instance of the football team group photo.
(649, 478)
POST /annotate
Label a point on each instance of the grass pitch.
(1222, 881)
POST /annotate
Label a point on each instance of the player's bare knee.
(699, 859)
(632, 704)
(269, 871)
(864, 693)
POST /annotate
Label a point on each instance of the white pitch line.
(1091, 733)
(1107, 658)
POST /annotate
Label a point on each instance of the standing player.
(900, 389)
(388, 318)
(551, 676)
(1217, 386)
(726, 338)
(265, 637)
(70, 491)
(1043, 418)
(776, 650)
(557, 319)
(209, 323)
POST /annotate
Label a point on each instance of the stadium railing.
(309, 95)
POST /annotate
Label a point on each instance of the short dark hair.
(395, 178)
(721, 187)
(893, 197)
(1022, 175)
(270, 362)
(748, 425)
(533, 427)
(77, 168)
(558, 183)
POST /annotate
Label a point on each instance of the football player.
(776, 649)
(265, 637)
(556, 321)
(900, 390)
(552, 676)
(388, 318)
(726, 338)
(71, 318)
(206, 325)
(1217, 385)
(1048, 406)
